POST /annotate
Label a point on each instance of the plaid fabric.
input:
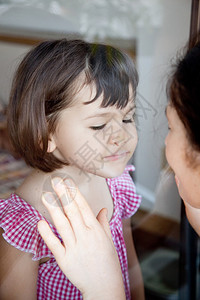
(19, 221)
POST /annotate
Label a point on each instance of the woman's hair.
(184, 92)
(46, 82)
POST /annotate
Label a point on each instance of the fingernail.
(71, 187)
(69, 182)
(48, 197)
(56, 181)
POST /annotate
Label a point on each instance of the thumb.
(102, 217)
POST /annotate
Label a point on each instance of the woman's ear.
(51, 144)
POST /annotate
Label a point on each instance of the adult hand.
(87, 255)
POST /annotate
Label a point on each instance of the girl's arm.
(18, 273)
(87, 255)
(135, 275)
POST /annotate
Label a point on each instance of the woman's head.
(183, 139)
(184, 94)
(46, 83)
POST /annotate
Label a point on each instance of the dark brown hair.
(45, 83)
(184, 92)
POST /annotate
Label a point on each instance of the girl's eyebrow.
(97, 115)
(107, 113)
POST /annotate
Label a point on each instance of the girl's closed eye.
(98, 127)
(129, 119)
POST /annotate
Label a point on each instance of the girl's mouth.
(116, 156)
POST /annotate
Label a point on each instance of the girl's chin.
(109, 169)
(110, 172)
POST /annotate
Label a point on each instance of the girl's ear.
(51, 144)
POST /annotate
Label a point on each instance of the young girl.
(183, 155)
(70, 116)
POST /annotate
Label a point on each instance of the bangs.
(113, 74)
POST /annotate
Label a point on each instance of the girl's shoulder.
(123, 191)
(31, 191)
(19, 219)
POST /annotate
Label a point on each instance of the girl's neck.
(80, 177)
(93, 188)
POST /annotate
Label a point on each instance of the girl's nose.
(117, 139)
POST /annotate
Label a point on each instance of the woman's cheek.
(177, 181)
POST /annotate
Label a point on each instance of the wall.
(10, 55)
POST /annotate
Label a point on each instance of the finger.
(73, 204)
(64, 190)
(53, 243)
(60, 220)
(103, 220)
(87, 214)
(66, 194)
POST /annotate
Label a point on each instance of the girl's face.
(186, 176)
(97, 140)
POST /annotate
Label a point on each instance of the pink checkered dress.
(19, 221)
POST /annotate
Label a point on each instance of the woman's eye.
(98, 127)
(168, 126)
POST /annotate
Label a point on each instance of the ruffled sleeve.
(19, 222)
(125, 194)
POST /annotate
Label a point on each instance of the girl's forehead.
(87, 92)
(94, 108)
(83, 93)
(110, 110)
